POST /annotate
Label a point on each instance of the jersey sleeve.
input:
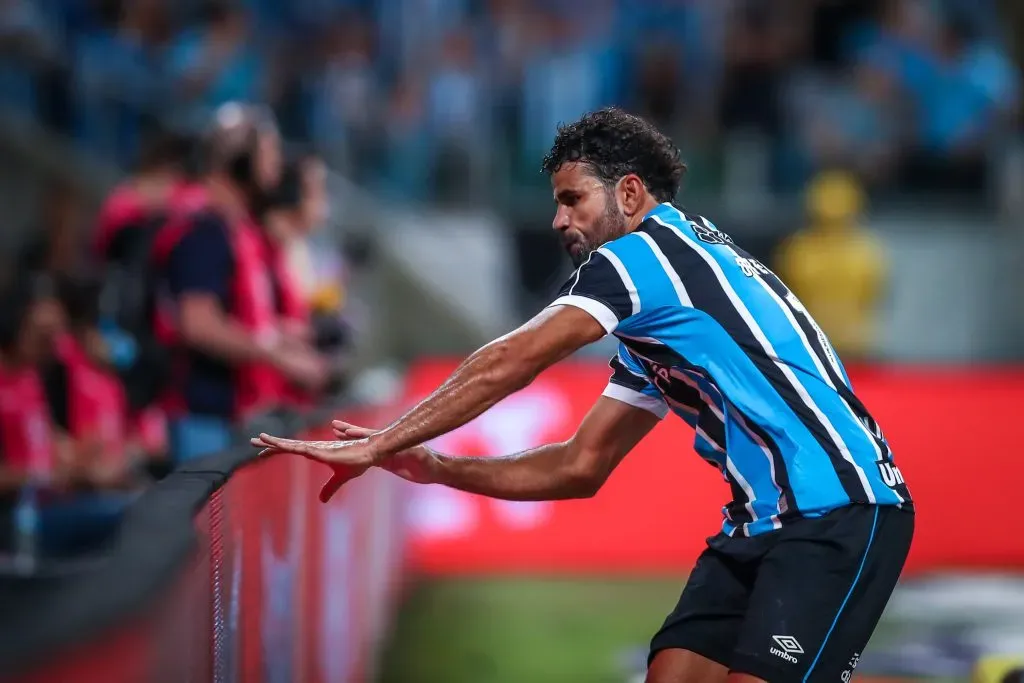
(601, 288)
(629, 384)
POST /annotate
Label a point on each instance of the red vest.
(125, 208)
(258, 386)
(25, 422)
(294, 312)
(97, 405)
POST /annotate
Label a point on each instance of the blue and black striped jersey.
(711, 334)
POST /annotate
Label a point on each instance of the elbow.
(189, 331)
(584, 480)
(509, 369)
(197, 319)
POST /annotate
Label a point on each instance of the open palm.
(350, 456)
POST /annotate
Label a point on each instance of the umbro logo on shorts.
(789, 648)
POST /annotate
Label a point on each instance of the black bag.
(129, 301)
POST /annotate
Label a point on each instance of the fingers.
(307, 449)
(352, 434)
(348, 431)
(332, 486)
(289, 445)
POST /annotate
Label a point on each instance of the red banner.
(282, 588)
(306, 589)
(953, 433)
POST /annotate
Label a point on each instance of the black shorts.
(797, 604)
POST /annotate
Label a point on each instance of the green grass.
(536, 630)
(515, 630)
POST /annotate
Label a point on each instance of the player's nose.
(561, 221)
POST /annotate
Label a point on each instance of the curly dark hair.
(615, 143)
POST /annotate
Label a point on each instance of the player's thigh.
(673, 665)
(819, 594)
(839, 654)
(683, 666)
(703, 628)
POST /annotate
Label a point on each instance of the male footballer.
(820, 521)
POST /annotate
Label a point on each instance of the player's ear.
(631, 193)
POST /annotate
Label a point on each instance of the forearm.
(483, 379)
(226, 340)
(545, 473)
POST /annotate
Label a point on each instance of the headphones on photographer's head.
(232, 140)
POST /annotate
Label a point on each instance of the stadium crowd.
(139, 338)
(197, 306)
(407, 96)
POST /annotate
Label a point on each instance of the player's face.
(588, 213)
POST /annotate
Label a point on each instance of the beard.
(610, 225)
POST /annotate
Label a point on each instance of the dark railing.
(229, 569)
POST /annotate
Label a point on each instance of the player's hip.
(796, 604)
(849, 524)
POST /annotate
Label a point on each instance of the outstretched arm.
(496, 371)
(576, 468)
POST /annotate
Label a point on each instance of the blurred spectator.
(345, 96)
(832, 23)
(29, 324)
(295, 264)
(408, 148)
(661, 88)
(394, 93)
(320, 266)
(120, 74)
(750, 100)
(220, 312)
(216, 62)
(41, 475)
(754, 70)
(459, 120)
(855, 123)
(835, 267)
(955, 114)
(144, 198)
(86, 399)
(58, 248)
(572, 70)
(30, 57)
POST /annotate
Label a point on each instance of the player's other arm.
(576, 468)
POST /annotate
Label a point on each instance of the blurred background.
(870, 151)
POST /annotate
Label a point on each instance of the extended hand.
(348, 458)
(351, 456)
(419, 464)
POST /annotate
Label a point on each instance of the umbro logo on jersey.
(789, 648)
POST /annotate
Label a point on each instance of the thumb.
(332, 486)
(342, 474)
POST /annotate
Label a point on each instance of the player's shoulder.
(685, 223)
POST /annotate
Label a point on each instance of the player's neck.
(650, 204)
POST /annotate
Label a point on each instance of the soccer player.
(820, 521)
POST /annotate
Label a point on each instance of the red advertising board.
(282, 588)
(953, 431)
(305, 588)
